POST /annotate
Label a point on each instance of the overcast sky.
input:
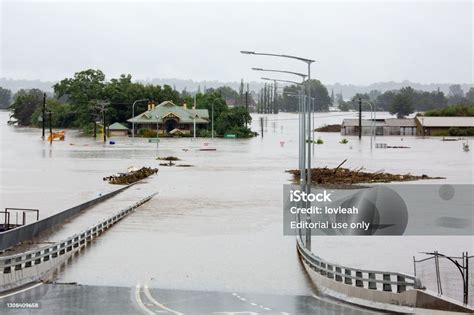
(353, 42)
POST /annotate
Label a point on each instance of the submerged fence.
(449, 276)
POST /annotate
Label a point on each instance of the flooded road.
(217, 225)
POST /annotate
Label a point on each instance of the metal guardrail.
(14, 269)
(368, 279)
(27, 232)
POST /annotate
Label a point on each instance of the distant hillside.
(15, 85)
(347, 90)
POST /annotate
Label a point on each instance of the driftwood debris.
(329, 128)
(339, 175)
(169, 158)
(131, 177)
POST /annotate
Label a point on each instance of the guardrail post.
(401, 285)
(69, 246)
(55, 251)
(330, 274)
(76, 242)
(7, 269)
(359, 282)
(46, 252)
(323, 269)
(18, 263)
(28, 261)
(372, 284)
(338, 274)
(62, 250)
(38, 258)
(347, 280)
(387, 286)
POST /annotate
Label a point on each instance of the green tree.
(321, 95)
(402, 104)
(25, 104)
(5, 97)
(319, 92)
(61, 113)
(83, 89)
(233, 121)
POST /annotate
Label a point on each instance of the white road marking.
(150, 297)
(139, 301)
(24, 290)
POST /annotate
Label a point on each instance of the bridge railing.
(368, 279)
(25, 267)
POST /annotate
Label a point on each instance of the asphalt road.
(83, 299)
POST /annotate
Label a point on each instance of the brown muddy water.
(216, 225)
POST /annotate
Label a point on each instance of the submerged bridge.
(28, 264)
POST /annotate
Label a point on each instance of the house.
(350, 127)
(440, 125)
(171, 119)
(117, 130)
(383, 127)
(399, 127)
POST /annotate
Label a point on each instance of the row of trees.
(77, 102)
(408, 100)
(271, 102)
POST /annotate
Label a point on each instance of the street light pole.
(50, 127)
(306, 185)
(157, 129)
(44, 117)
(212, 121)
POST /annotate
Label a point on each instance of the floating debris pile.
(338, 175)
(131, 177)
(169, 158)
(329, 128)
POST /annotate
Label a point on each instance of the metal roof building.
(444, 121)
(169, 117)
(383, 127)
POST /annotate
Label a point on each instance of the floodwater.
(217, 225)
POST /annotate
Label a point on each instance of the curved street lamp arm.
(281, 71)
(246, 52)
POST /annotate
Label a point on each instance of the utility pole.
(101, 107)
(275, 95)
(247, 102)
(360, 118)
(50, 127)
(194, 118)
(105, 128)
(43, 115)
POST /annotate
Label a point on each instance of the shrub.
(147, 133)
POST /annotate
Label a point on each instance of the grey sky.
(353, 42)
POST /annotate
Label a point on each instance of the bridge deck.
(84, 219)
